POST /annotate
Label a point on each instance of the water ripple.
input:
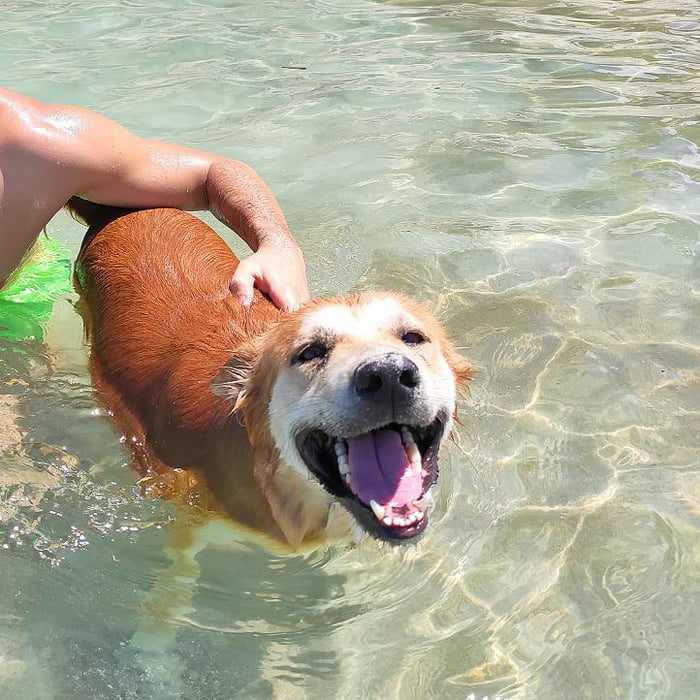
(529, 169)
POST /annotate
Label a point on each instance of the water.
(528, 168)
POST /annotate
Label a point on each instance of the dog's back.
(160, 314)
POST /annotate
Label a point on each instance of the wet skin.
(50, 153)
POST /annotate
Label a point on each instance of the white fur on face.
(358, 321)
(325, 401)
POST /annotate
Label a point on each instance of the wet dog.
(274, 418)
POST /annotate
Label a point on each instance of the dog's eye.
(413, 338)
(314, 351)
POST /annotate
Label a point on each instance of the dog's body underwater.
(277, 418)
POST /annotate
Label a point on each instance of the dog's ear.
(232, 379)
(460, 366)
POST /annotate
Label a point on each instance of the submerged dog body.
(277, 416)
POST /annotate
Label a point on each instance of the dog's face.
(361, 395)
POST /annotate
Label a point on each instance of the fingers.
(284, 284)
(242, 284)
(291, 297)
(246, 279)
(285, 301)
(282, 296)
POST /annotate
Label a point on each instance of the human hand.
(276, 271)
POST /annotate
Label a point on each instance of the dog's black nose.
(389, 378)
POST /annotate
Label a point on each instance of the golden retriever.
(272, 419)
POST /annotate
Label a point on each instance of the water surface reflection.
(529, 169)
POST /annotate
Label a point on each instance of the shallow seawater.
(529, 168)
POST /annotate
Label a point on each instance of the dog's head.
(360, 393)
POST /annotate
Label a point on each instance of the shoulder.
(54, 142)
(15, 113)
(35, 127)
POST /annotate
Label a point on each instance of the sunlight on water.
(530, 169)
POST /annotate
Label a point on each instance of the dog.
(272, 419)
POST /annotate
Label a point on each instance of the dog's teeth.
(417, 515)
(423, 502)
(413, 453)
(341, 453)
(388, 520)
(377, 509)
(424, 473)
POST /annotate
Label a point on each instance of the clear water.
(529, 167)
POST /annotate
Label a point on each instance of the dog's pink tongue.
(381, 471)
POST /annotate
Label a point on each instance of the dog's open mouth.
(383, 475)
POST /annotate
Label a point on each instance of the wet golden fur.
(163, 327)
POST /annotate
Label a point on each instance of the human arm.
(81, 152)
(239, 198)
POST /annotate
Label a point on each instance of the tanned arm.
(69, 150)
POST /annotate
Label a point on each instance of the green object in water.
(27, 300)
